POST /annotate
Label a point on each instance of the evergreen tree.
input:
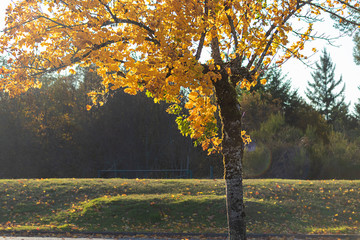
(322, 91)
(279, 88)
(357, 111)
(357, 108)
(356, 53)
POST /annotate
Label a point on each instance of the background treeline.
(48, 132)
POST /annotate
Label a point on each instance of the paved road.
(53, 238)
(57, 238)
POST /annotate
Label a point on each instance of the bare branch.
(322, 36)
(350, 6)
(334, 14)
(295, 56)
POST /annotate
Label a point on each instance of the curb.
(175, 235)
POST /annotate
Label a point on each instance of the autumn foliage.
(157, 46)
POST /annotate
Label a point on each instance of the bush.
(341, 160)
(278, 152)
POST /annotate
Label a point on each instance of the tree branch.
(20, 24)
(295, 56)
(233, 30)
(74, 60)
(201, 45)
(128, 21)
(97, 47)
(109, 10)
(151, 32)
(350, 6)
(263, 54)
(215, 51)
(53, 21)
(203, 35)
(334, 14)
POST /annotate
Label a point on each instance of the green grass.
(272, 206)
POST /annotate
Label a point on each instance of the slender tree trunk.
(234, 197)
(232, 152)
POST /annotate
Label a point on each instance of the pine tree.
(279, 86)
(322, 91)
(357, 108)
(356, 53)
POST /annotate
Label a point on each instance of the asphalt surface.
(59, 238)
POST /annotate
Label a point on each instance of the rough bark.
(232, 152)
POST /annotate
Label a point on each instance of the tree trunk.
(232, 151)
(234, 197)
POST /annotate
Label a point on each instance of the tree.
(280, 88)
(347, 26)
(47, 132)
(357, 108)
(156, 46)
(276, 95)
(321, 92)
(357, 49)
(257, 108)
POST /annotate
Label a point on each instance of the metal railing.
(165, 173)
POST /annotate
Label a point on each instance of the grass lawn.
(273, 206)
